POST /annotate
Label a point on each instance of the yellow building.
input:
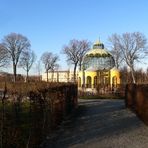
(98, 72)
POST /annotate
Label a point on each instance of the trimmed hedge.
(136, 98)
(30, 111)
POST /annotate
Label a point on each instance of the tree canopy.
(50, 61)
(75, 51)
(132, 47)
(14, 44)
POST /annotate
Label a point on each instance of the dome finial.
(97, 42)
(98, 45)
(99, 39)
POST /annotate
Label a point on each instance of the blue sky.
(49, 24)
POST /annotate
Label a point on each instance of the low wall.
(136, 98)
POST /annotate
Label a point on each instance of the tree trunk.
(27, 76)
(14, 71)
(83, 85)
(57, 76)
(47, 75)
(132, 73)
(80, 65)
(52, 75)
(75, 66)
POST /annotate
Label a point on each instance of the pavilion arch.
(114, 81)
(95, 81)
(88, 80)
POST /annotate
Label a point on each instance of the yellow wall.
(87, 73)
(116, 73)
(92, 75)
(113, 73)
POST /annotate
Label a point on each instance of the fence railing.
(103, 90)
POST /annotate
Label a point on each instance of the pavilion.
(98, 70)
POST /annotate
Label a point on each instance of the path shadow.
(94, 119)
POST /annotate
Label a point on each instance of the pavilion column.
(92, 82)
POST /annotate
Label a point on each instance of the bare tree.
(50, 61)
(133, 47)
(4, 57)
(84, 47)
(38, 68)
(27, 60)
(15, 44)
(75, 51)
(116, 50)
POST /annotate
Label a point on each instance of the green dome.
(98, 50)
(98, 58)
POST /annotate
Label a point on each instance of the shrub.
(30, 111)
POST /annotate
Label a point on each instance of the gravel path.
(100, 124)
